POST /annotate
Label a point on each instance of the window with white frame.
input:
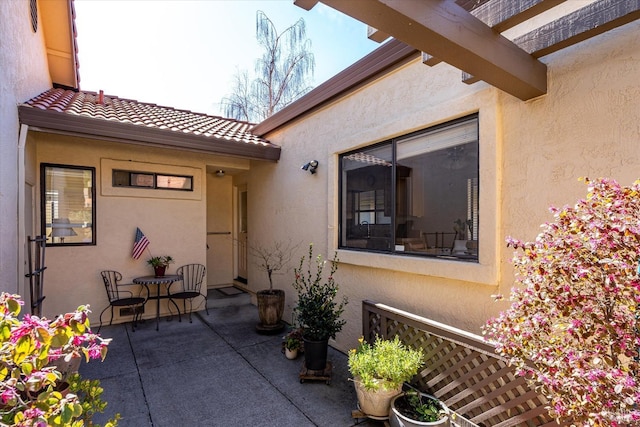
(68, 204)
(416, 194)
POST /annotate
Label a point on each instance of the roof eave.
(388, 56)
(136, 134)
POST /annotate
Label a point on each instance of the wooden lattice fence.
(461, 369)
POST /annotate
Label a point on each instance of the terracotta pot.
(375, 402)
(160, 270)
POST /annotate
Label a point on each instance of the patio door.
(241, 222)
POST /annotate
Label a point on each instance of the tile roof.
(103, 115)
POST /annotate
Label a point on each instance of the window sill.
(465, 270)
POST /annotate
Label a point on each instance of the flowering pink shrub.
(572, 329)
(27, 381)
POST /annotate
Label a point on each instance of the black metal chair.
(121, 298)
(192, 277)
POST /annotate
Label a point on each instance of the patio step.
(227, 296)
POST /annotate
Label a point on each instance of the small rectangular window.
(68, 210)
(123, 178)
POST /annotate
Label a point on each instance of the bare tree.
(282, 73)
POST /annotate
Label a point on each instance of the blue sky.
(184, 54)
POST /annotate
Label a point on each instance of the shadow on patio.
(216, 371)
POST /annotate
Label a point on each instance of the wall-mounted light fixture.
(220, 173)
(311, 166)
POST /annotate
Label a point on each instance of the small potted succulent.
(380, 370)
(292, 343)
(160, 264)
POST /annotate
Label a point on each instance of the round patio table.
(158, 282)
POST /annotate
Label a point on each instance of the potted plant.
(30, 389)
(380, 370)
(160, 264)
(572, 329)
(460, 227)
(292, 343)
(317, 311)
(272, 260)
(413, 408)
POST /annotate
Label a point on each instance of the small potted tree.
(272, 260)
(572, 329)
(380, 370)
(317, 310)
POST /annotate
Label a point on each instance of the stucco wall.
(531, 156)
(174, 222)
(23, 74)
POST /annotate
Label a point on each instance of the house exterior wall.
(531, 156)
(175, 222)
(23, 74)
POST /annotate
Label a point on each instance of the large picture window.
(416, 194)
(68, 204)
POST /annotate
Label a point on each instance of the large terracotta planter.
(270, 309)
(375, 402)
(315, 354)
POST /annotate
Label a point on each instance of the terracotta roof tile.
(87, 104)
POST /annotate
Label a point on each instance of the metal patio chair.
(192, 277)
(121, 298)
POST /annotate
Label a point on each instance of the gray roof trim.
(388, 56)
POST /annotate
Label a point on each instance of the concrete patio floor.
(216, 371)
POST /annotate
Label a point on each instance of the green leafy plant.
(160, 261)
(573, 329)
(89, 393)
(419, 407)
(293, 340)
(386, 364)
(317, 311)
(29, 384)
(461, 226)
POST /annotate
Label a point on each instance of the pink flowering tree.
(572, 329)
(28, 381)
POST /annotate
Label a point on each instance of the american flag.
(140, 244)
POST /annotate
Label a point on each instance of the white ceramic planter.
(290, 354)
(396, 419)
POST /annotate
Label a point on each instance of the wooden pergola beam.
(448, 32)
(502, 15)
(589, 21)
(376, 35)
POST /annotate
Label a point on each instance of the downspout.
(22, 140)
